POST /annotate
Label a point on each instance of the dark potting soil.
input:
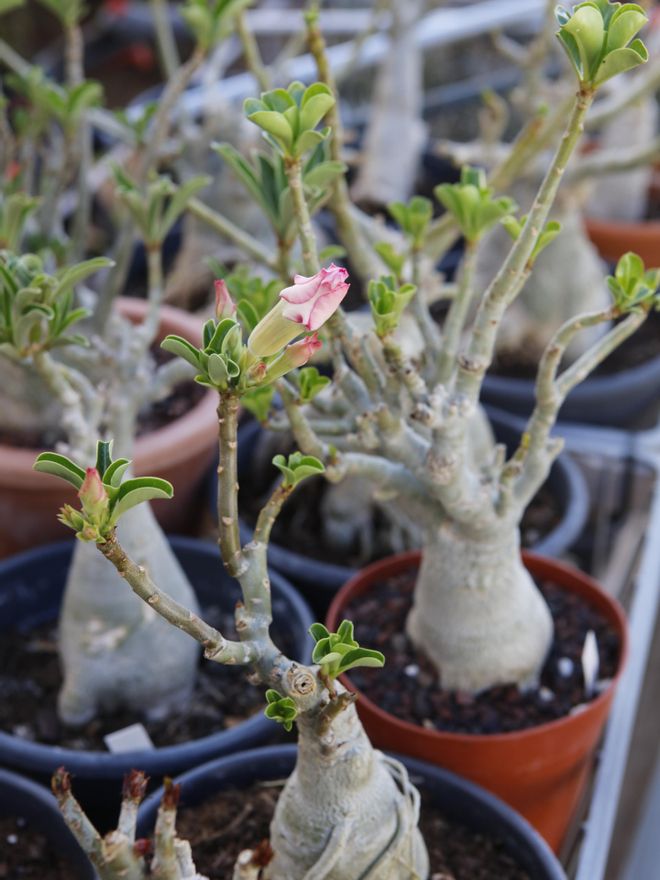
(300, 523)
(232, 821)
(411, 690)
(27, 855)
(642, 346)
(30, 679)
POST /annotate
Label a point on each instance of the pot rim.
(253, 759)
(565, 573)
(44, 758)
(177, 441)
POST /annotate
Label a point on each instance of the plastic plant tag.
(133, 738)
(590, 663)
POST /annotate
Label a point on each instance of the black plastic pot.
(24, 799)
(319, 581)
(31, 586)
(613, 401)
(464, 802)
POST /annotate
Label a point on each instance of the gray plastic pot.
(24, 799)
(462, 801)
(31, 586)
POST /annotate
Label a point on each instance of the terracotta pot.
(614, 238)
(181, 452)
(542, 771)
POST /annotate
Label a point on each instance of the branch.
(229, 537)
(537, 451)
(457, 315)
(167, 377)
(224, 227)
(508, 282)
(216, 646)
(252, 55)
(167, 50)
(293, 168)
(613, 161)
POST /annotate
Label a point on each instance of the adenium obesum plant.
(346, 810)
(404, 423)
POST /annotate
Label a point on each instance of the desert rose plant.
(346, 810)
(55, 381)
(405, 423)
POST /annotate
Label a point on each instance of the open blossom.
(311, 301)
(225, 307)
(306, 304)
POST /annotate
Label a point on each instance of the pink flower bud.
(92, 494)
(225, 307)
(293, 356)
(311, 301)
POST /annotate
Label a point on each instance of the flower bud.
(293, 356)
(93, 496)
(225, 307)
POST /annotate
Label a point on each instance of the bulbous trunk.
(343, 814)
(477, 613)
(116, 652)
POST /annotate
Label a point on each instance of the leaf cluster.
(97, 519)
(598, 37)
(471, 203)
(338, 652)
(280, 709)
(413, 218)
(633, 287)
(288, 117)
(158, 206)
(265, 179)
(211, 21)
(36, 308)
(388, 301)
(297, 467)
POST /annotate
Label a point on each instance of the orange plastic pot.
(181, 452)
(542, 771)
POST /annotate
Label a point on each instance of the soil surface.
(411, 688)
(643, 346)
(27, 855)
(300, 523)
(30, 679)
(212, 828)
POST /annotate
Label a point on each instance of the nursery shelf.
(642, 448)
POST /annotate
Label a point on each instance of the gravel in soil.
(411, 689)
(27, 855)
(30, 679)
(235, 820)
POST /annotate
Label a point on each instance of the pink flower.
(225, 307)
(92, 494)
(311, 301)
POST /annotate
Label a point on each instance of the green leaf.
(182, 348)
(317, 631)
(114, 473)
(362, 657)
(60, 466)
(622, 60)
(138, 490)
(273, 123)
(258, 401)
(103, 456)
